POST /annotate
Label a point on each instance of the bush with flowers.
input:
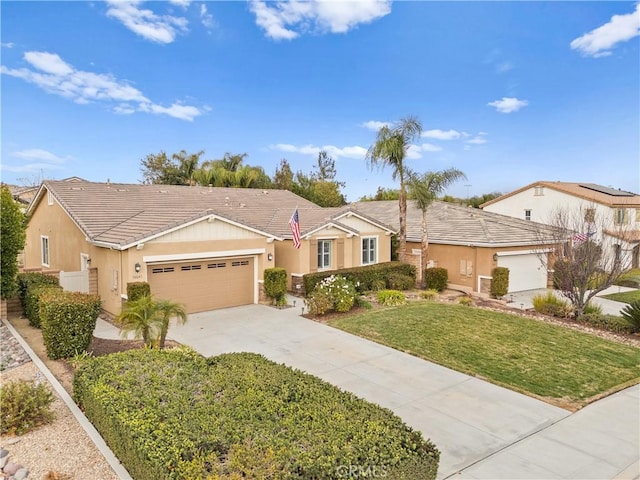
(332, 293)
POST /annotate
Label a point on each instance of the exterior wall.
(290, 258)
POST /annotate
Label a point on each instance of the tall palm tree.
(168, 310)
(390, 149)
(140, 317)
(425, 189)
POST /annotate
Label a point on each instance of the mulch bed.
(102, 346)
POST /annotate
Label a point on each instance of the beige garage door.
(204, 285)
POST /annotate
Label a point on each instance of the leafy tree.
(390, 149)
(425, 189)
(177, 170)
(283, 178)
(383, 194)
(149, 319)
(474, 201)
(12, 238)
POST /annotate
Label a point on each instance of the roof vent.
(163, 191)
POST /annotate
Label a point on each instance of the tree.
(283, 178)
(390, 149)
(177, 170)
(474, 201)
(587, 257)
(383, 194)
(425, 189)
(168, 310)
(12, 238)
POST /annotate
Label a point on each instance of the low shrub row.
(612, 323)
(32, 302)
(368, 277)
(173, 414)
(436, 278)
(29, 280)
(24, 406)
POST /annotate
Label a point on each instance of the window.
(637, 215)
(590, 215)
(539, 191)
(369, 250)
(527, 214)
(620, 216)
(324, 253)
(44, 250)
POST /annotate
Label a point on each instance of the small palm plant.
(632, 313)
(149, 319)
(168, 310)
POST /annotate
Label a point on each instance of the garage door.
(204, 285)
(526, 272)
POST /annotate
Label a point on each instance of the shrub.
(391, 298)
(592, 308)
(365, 278)
(612, 323)
(173, 414)
(631, 313)
(24, 406)
(550, 304)
(436, 278)
(499, 282)
(430, 294)
(630, 278)
(362, 302)
(32, 279)
(400, 281)
(465, 300)
(275, 285)
(135, 290)
(333, 293)
(68, 321)
(32, 302)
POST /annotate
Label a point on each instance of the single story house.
(469, 243)
(204, 247)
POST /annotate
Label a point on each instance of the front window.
(527, 214)
(590, 215)
(621, 216)
(44, 250)
(369, 249)
(324, 253)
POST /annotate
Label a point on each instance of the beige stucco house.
(204, 247)
(469, 243)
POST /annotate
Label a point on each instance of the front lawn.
(564, 366)
(625, 297)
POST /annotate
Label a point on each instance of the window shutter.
(463, 267)
(313, 255)
(340, 253)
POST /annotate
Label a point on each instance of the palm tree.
(425, 189)
(140, 317)
(168, 310)
(391, 148)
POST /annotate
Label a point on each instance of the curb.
(88, 427)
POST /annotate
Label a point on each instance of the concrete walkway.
(471, 421)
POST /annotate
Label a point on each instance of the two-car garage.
(205, 284)
(526, 270)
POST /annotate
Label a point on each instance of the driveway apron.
(467, 418)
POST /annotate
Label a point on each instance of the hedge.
(612, 323)
(32, 302)
(135, 290)
(275, 285)
(436, 278)
(500, 282)
(172, 414)
(365, 278)
(32, 279)
(68, 321)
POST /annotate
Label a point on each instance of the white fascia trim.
(354, 214)
(482, 244)
(524, 252)
(327, 225)
(176, 257)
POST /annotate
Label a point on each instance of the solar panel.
(607, 190)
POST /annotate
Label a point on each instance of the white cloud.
(205, 17)
(286, 20)
(374, 125)
(478, 140)
(504, 67)
(38, 154)
(508, 104)
(600, 41)
(54, 75)
(30, 167)
(355, 151)
(35, 160)
(145, 23)
(441, 134)
(8, 44)
(428, 147)
(181, 3)
(414, 152)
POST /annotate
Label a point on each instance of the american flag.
(294, 224)
(582, 237)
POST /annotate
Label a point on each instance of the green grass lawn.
(626, 297)
(565, 366)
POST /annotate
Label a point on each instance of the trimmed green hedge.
(436, 278)
(33, 279)
(613, 323)
(275, 285)
(136, 290)
(172, 414)
(32, 301)
(365, 278)
(500, 282)
(68, 321)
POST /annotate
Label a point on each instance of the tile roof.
(125, 214)
(453, 224)
(586, 191)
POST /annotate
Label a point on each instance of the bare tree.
(588, 257)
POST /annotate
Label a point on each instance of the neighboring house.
(201, 246)
(470, 243)
(621, 210)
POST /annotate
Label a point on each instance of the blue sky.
(508, 92)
